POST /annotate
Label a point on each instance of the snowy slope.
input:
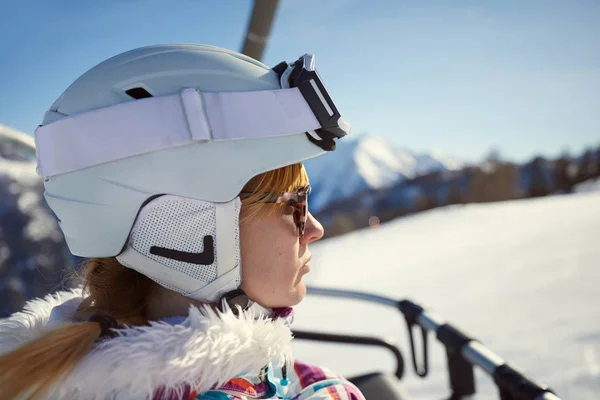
(367, 162)
(592, 185)
(523, 277)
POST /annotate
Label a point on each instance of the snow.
(436, 161)
(16, 145)
(522, 277)
(592, 185)
(378, 165)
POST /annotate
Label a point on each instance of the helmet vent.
(138, 93)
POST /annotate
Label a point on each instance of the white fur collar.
(206, 349)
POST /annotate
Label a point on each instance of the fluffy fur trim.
(206, 350)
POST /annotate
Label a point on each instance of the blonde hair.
(116, 291)
(281, 180)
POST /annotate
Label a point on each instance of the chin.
(296, 295)
(299, 293)
(293, 297)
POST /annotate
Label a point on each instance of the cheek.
(269, 259)
(271, 240)
(273, 259)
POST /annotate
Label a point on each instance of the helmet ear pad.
(187, 245)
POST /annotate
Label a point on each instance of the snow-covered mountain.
(32, 248)
(16, 145)
(436, 161)
(368, 162)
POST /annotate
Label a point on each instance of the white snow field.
(523, 277)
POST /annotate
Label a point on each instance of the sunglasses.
(298, 200)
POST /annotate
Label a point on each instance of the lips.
(305, 268)
(307, 261)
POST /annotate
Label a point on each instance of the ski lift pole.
(259, 28)
(463, 352)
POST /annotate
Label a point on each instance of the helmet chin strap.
(237, 300)
(234, 299)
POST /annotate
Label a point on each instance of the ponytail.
(38, 364)
(116, 293)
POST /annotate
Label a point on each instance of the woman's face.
(275, 258)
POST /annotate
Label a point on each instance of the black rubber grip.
(517, 385)
(410, 309)
(451, 337)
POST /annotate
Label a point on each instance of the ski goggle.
(298, 200)
(301, 106)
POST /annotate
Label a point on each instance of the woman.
(175, 171)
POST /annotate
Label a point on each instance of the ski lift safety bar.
(463, 352)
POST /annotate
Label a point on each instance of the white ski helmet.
(144, 156)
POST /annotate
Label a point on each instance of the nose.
(313, 230)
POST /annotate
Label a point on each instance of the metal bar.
(352, 339)
(481, 356)
(430, 321)
(548, 396)
(352, 294)
(473, 351)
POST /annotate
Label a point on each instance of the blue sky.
(460, 77)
